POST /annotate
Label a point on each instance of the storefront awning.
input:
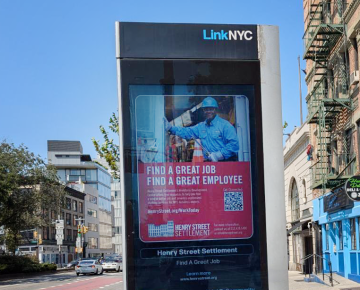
(295, 226)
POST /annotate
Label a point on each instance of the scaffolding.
(329, 99)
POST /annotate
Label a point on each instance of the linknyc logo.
(229, 35)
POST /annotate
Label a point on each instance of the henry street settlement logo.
(352, 188)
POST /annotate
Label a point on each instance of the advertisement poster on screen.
(194, 171)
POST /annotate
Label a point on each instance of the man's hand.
(166, 124)
(216, 156)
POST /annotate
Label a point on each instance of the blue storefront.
(338, 218)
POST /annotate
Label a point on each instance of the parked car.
(112, 265)
(72, 264)
(89, 267)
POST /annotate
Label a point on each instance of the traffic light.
(35, 234)
(85, 229)
(40, 239)
(79, 230)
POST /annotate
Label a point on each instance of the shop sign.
(337, 200)
(352, 188)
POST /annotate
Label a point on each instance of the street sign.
(59, 236)
(78, 242)
(59, 241)
(59, 224)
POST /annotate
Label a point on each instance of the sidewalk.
(296, 282)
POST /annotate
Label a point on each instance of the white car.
(112, 265)
(89, 267)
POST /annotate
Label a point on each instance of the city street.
(65, 281)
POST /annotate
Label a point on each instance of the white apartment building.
(298, 197)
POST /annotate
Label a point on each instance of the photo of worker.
(204, 128)
(193, 167)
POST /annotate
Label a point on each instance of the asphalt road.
(66, 281)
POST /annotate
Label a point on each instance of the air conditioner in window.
(354, 77)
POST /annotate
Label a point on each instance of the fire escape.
(328, 101)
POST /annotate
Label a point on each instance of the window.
(341, 242)
(355, 54)
(52, 233)
(81, 209)
(91, 175)
(104, 204)
(104, 191)
(62, 215)
(68, 219)
(74, 205)
(75, 235)
(76, 174)
(105, 230)
(93, 227)
(105, 242)
(353, 234)
(68, 235)
(92, 199)
(104, 178)
(117, 230)
(74, 220)
(327, 236)
(295, 206)
(92, 212)
(61, 174)
(45, 233)
(92, 243)
(68, 203)
(304, 187)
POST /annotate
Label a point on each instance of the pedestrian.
(218, 137)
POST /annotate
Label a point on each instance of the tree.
(109, 150)
(29, 191)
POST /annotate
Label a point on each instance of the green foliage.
(29, 190)
(109, 150)
(23, 264)
(12, 240)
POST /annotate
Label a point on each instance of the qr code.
(233, 201)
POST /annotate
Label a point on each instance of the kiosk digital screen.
(193, 159)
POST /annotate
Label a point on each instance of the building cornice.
(350, 10)
(304, 138)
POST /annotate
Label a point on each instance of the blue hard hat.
(209, 102)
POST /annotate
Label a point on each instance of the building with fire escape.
(331, 40)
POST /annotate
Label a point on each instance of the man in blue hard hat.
(218, 137)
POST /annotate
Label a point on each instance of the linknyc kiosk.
(201, 157)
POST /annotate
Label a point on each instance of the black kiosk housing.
(199, 60)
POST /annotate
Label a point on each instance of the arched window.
(295, 205)
(304, 186)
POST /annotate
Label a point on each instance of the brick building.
(331, 41)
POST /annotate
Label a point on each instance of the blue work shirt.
(219, 135)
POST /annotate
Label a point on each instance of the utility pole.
(301, 115)
(59, 225)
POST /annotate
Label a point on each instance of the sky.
(58, 68)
